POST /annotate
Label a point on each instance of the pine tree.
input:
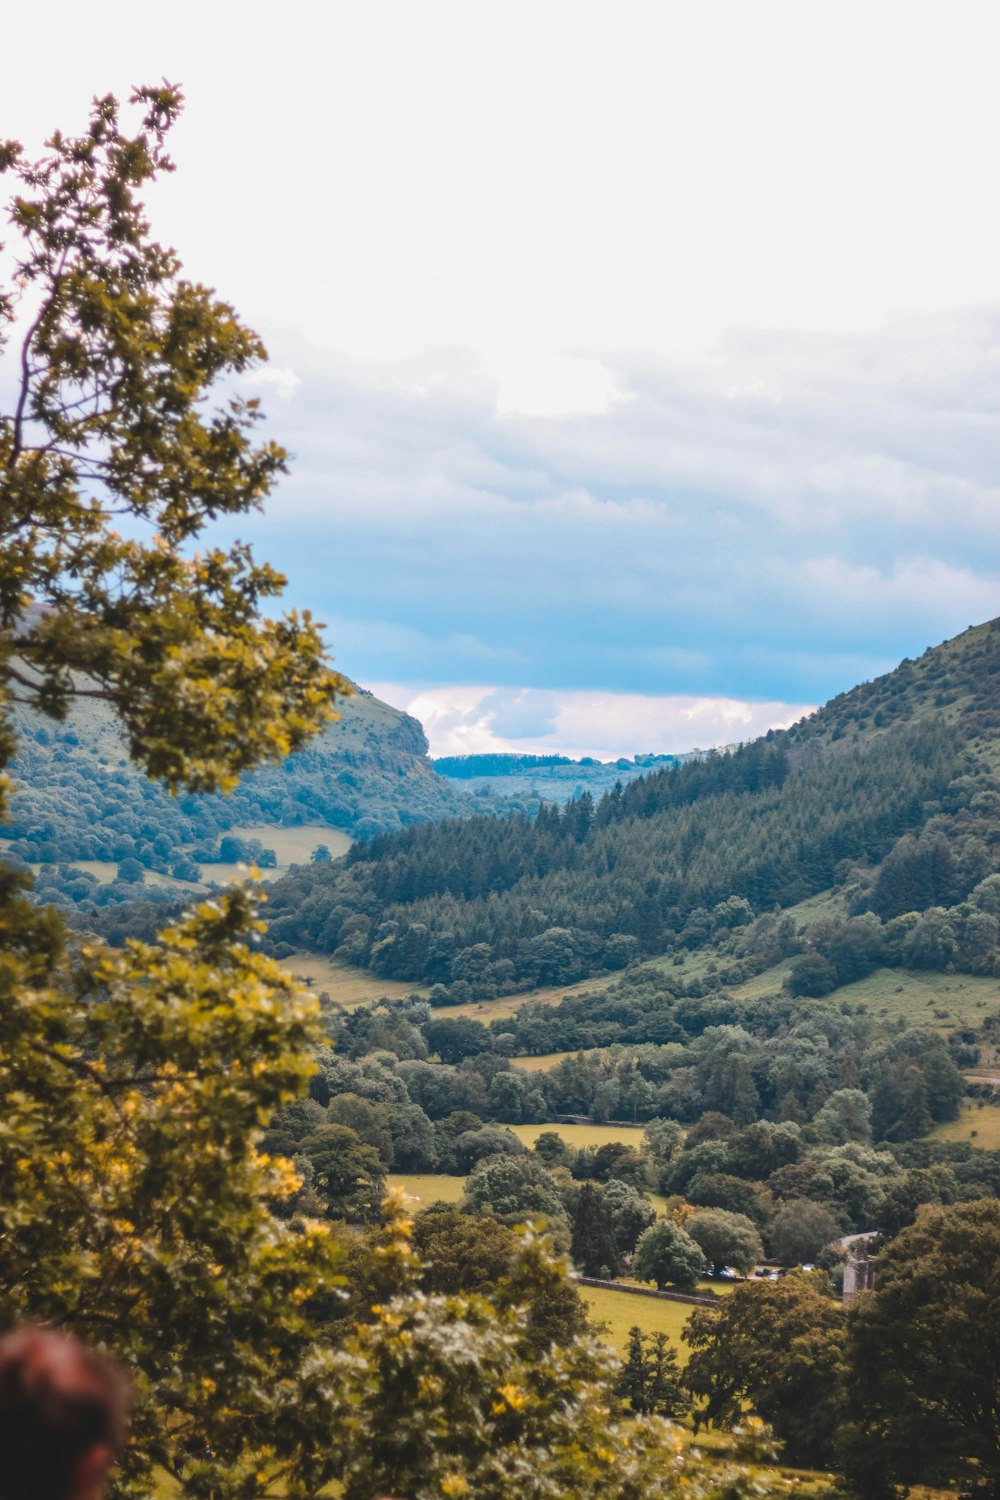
(593, 1244)
(633, 1377)
(665, 1394)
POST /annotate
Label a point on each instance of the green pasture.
(347, 987)
(978, 1123)
(924, 998)
(509, 1005)
(541, 1064)
(767, 983)
(294, 846)
(581, 1136)
(427, 1187)
(620, 1311)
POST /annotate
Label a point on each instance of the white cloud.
(476, 720)
(542, 182)
(284, 382)
(907, 586)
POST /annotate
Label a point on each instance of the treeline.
(489, 905)
(643, 1052)
(465, 767)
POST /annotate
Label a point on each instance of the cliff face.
(367, 773)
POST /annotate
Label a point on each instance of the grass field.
(293, 846)
(427, 1187)
(978, 1123)
(346, 986)
(581, 1135)
(620, 1311)
(540, 1064)
(925, 998)
(509, 1005)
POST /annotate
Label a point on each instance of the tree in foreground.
(111, 465)
(133, 1199)
(446, 1396)
(670, 1257)
(779, 1349)
(924, 1351)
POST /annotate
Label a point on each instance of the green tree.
(593, 1245)
(779, 1348)
(726, 1239)
(846, 1116)
(349, 1176)
(631, 1213)
(666, 1395)
(445, 1396)
(474, 1146)
(801, 1229)
(369, 1121)
(664, 1139)
(650, 1378)
(464, 1253)
(513, 1187)
(668, 1256)
(117, 359)
(923, 1354)
(137, 1084)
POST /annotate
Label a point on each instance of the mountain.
(886, 794)
(78, 802)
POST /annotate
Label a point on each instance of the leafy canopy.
(136, 1085)
(112, 462)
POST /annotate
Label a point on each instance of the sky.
(640, 362)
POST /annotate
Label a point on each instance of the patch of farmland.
(978, 1123)
(581, 1136)
(347, 986)
(427, 1187)
(620, 1311)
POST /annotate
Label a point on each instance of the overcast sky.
(641, 361)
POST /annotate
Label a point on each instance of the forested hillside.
(888, 793)
(78, 799)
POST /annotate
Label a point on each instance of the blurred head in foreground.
(62, 1417)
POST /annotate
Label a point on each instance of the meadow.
(347, 987)
(581, 1136)
(978, 1123)
(427, 1187)
(620, 1311)
(542, 1063)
